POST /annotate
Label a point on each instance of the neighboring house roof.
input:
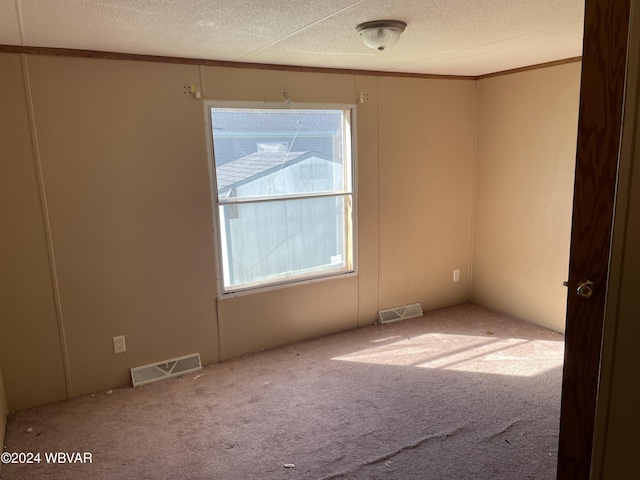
(256, 165)
(228, 122)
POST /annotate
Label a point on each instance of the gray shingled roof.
(243, 122)
(258, 164)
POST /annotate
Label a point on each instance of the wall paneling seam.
(47, 225)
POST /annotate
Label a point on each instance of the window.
(283, 194)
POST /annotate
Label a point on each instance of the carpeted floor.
(461, 393)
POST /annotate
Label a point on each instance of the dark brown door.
(599, 133)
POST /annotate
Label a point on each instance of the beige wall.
(124, 168)
(31, 355)
(124, 173)
(426, 144)
(525, 161)
(126, 219)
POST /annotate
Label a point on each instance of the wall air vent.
(399, 313)
(173, 367)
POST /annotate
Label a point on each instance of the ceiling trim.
(531, 67)
(71, 52)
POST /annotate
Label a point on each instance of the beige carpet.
(461, 393)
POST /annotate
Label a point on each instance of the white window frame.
(213, 187)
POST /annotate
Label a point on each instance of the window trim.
(213, 194)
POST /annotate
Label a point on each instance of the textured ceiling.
(455, 37)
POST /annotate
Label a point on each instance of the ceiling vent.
(173, 367)
(399, 313)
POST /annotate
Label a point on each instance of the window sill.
(280, 286)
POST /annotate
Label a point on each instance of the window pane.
(280, 240)
(261, 153)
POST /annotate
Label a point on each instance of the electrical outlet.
(456, 275)
(118, 344)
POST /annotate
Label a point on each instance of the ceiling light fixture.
(381, 34)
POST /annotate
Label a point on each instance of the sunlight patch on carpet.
(466, 353)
